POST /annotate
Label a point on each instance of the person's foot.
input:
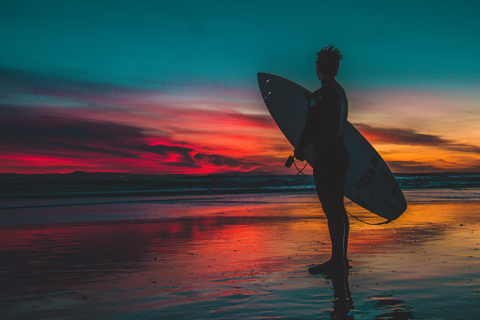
(327, 267)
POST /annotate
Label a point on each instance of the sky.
(169, 87)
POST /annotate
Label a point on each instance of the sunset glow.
(173, 90)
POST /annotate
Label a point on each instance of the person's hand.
(299, 155)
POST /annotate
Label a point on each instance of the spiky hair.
(328, 59)
(330, 51)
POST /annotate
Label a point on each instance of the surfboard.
(368, 181)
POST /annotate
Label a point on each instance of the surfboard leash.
(371, 224)
(288, 164)
(300, 174)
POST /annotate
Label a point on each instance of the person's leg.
(347, 231)
(338, 227)
(330, 189)
(335, 210)
(343, 213)
(343, 172)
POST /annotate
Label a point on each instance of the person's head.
(328, 61)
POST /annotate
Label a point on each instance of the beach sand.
(243, 261)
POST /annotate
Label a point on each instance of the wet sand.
(243, 261)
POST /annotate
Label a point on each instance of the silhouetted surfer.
(326, 117)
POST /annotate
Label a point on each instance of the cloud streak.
(412, 137)
(28, 132)
(399, 136)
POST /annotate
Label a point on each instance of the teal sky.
(144, 42)
(211, 51)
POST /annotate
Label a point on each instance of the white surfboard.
(369, 182)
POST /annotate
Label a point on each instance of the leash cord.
(301, 176)
(371, 224)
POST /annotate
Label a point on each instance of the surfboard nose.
(262, 77)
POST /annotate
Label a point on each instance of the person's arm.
(321, 97)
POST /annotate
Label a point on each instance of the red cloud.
(103, 145)
(116, 128)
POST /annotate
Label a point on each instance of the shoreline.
(151, 208)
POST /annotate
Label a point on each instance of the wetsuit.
(325, 122)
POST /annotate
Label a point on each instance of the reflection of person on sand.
(343, 302)
(326, 117)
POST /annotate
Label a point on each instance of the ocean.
(82, 197)
(16, 186)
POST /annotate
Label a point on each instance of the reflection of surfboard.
(369, 181)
